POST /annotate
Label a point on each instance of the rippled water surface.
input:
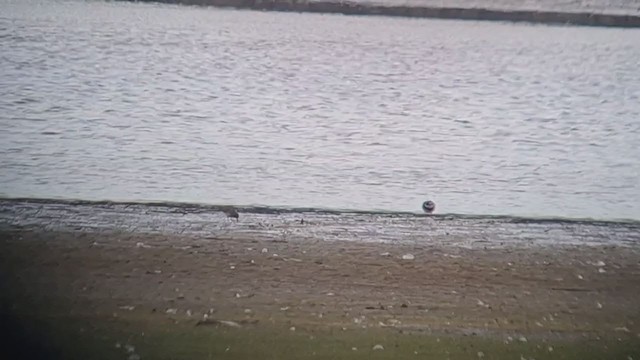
(124, 101)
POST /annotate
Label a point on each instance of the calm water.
(153, 102)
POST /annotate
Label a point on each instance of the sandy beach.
(253, 298)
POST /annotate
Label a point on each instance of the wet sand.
(510, 296)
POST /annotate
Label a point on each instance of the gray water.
(123, 101)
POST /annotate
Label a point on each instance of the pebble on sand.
(522, 339)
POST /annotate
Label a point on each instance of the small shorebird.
(428, 206)
(231, 212)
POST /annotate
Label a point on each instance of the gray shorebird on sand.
(428, 206)
(231, 212)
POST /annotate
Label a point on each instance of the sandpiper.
(231, 212)
(428, 206)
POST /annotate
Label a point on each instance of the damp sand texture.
(110, 295)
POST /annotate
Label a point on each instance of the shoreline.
(185, 293)
(457, 13)
(260, 224)
(277, 210)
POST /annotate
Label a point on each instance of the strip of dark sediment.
(304, 224)
(355, 8)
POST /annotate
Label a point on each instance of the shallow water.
(153, 102)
